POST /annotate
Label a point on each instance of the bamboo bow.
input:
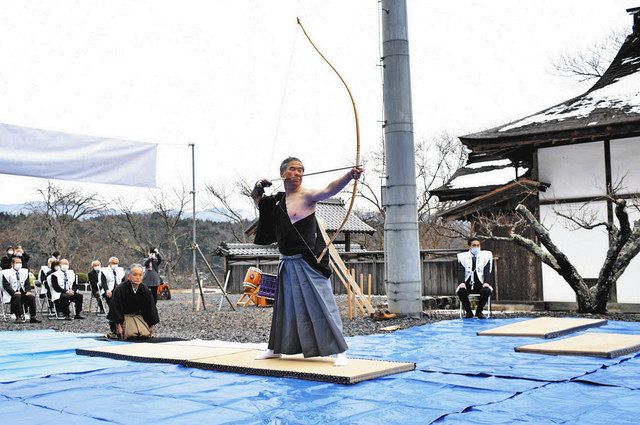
(355, 114)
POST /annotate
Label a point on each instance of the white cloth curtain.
(56, 155)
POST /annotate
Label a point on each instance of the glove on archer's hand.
(258, 189)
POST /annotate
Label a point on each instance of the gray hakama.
(305, 314)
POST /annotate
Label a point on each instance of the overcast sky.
(238, 79)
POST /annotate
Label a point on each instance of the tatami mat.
(594, 344)
(242, 360)
(544, 327)
(157, 353)
(314, 369)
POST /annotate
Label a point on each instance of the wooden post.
(369, 287)
(349, 302)
(355, 294)
(362, 292)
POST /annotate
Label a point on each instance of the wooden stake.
(349, 302)
(369, 287)
(355, 294)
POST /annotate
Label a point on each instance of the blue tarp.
(461, 378)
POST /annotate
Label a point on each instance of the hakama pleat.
(305, 314)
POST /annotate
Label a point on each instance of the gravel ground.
(252, 324)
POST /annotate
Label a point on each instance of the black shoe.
(34, 320)
(479, 315)
(77, 316)
(468, 315)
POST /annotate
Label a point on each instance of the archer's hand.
(258, 189)
(356, 172)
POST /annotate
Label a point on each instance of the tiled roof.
(610, 107)
(332, 212)
(250, 250)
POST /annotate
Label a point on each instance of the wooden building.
(557, 160)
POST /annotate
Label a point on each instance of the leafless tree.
(221, 202)
(436, 161)
(170, 208)
(591, 62)
(624, 246)
(57, 212)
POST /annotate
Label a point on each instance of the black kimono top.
(125, 301)
(302, 237)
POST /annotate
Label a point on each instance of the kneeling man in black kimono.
(133, 298)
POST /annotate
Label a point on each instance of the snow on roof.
(495, 162)
(495, 177)
(610, 107)
(622, 94)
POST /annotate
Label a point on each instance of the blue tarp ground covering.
(460, 378)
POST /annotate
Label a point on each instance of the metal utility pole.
(402, 248)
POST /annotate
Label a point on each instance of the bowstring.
(283, 97)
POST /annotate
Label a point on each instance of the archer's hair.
(286, 161)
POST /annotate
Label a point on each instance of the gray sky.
(238, 79)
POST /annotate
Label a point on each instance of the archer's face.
(292, 175)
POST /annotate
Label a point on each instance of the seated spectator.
(64, 287)
(42, 277)
(475, 273)
(94, 280)
(17, 290)
(110, 278)
(132, 301)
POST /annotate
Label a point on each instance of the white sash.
(71, 280)
(482, 259)
(10, 275)
(111, 282)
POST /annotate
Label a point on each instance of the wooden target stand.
(348, 280)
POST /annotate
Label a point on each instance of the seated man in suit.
(94, 281)
(132, 298)
(110, 278)
(475, 275)
(64, 290)
(17, 290)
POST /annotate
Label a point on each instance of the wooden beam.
(346, 279)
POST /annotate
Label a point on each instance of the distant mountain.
(14, 209)
(206, 215)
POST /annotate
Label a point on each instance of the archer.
(305, 314)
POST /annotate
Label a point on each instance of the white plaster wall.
(625, 164)
(586, 249)
(628, 285)
(573, 170)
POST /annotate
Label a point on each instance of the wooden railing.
(438, 270)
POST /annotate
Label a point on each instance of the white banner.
(55, 155)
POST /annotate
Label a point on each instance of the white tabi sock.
(341, 359)
(269, 354)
